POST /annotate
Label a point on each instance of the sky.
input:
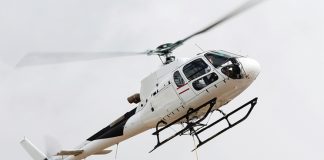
(60, 105)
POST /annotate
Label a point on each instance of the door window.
(178, 80)
(195, 69)
(204, 81)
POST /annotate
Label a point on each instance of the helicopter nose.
(251, 67)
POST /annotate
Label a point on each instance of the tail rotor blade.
(52, 145)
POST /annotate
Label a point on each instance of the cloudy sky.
(69, 102)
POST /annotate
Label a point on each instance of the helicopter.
(181, 92)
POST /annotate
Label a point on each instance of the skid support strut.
(190, 124)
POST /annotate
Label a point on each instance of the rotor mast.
(165, 50)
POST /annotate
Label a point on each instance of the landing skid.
(195, 132)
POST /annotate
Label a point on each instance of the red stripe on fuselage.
(182, 85)
(184, 91)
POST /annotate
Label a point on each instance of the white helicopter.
(182, 91)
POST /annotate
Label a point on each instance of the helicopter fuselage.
(169, 92)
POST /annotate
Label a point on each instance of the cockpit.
(202, 74)
(230, 65)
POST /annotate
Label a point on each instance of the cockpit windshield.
(228, 63)
(217, 58)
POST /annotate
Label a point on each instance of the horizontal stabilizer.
(103, 152)
(69, 152)
(77, 152)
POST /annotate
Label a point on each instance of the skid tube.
(251, 103)
(195, 132)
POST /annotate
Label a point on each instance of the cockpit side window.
(195, 69)
(217, 59)
(205, 81)
(178, 80)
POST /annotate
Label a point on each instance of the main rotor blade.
(230, 15)
(39, 58)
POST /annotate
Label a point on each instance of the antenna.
(199, 47)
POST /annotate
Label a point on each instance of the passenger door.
(182, 87)
(200, 75)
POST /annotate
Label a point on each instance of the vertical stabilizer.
(34, 152)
